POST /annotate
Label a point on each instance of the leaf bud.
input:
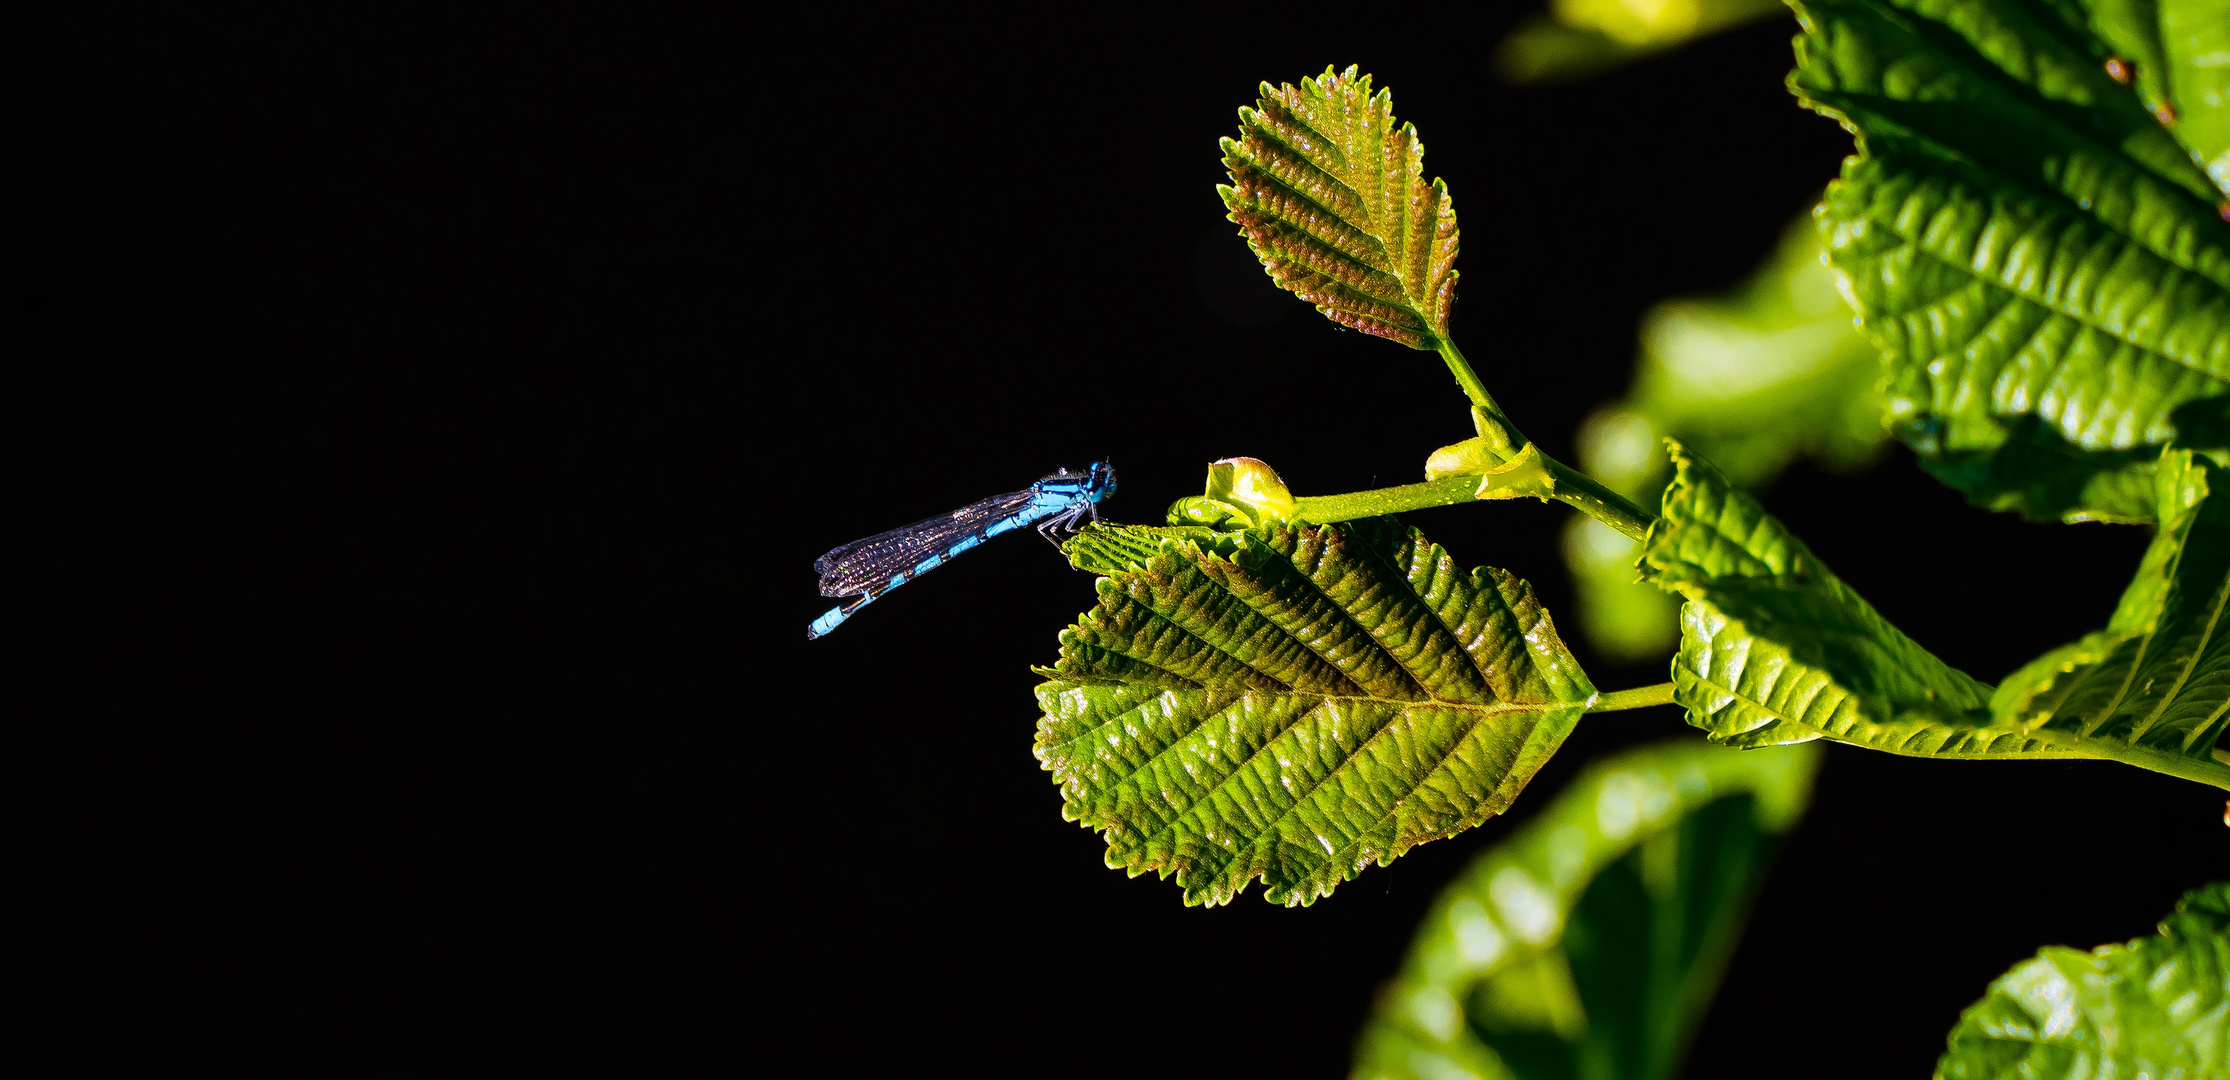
(1242, 492)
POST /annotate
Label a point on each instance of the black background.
(452, 410)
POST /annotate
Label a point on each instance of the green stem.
(1543, 477)
(1552, 479)
(1468, 379)
(1324, 509)
(1587, 495)
(1641, 697)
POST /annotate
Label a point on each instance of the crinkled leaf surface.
(1774, 649)
(1296, 702)
(2155, 1007)
(2040, 263)
(1589, 942)
(2158, 676)
(1331, 195)
(1753, 380)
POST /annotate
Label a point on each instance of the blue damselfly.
(866, 569)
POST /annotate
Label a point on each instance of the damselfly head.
(1102, 481)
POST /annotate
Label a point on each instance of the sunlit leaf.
(2158, 676)
(2158, 1007)
(1589, 942)
(1776, 649)
(1294, 703)
(2177, 55)
(1331, 195)
(2042, 265)
(1579, 38)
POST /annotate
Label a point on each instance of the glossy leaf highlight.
(2156, 1006)
(1589, 942)
(1296, 702)
(1331, 194)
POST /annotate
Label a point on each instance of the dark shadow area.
(448, 415)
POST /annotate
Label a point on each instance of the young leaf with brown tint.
(1331, 195)
(1295, 703)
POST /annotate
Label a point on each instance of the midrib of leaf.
(2043, 744)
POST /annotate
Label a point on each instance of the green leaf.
(2040, 263)
(2158, 676)
(2196, 38)
(1776, 649)
(1331, 195)
(1295, 702)
(1754, 379)
(2157, 1006)
(1589, 942)
(2180, 53)
(1580, 38)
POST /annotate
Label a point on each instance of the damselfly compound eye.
(2119, 70)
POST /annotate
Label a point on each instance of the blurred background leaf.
(1580, 38)
(1752, 380)
(1589, 942)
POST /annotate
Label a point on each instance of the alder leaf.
(1775, 649)
(2041, 264)
(1331, 195)
(2157, 1006)
(2158, 676)
(1589, 942)
(1295, 702)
